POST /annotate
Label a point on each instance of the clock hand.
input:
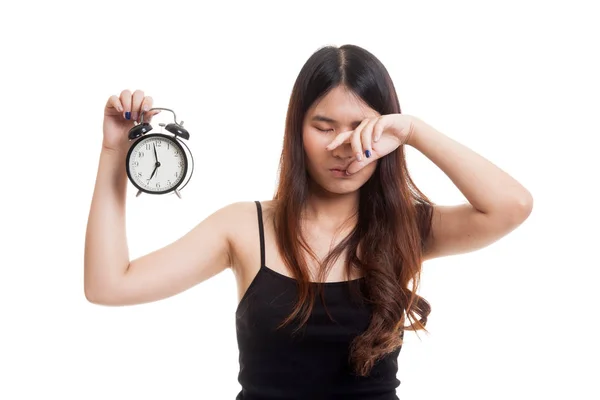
(156, 164)
(156, 159)
(153, 172)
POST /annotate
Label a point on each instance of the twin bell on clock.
(159, 163)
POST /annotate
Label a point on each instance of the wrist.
(413, 131)
(113, 158)
(418, 131)
(119, 150)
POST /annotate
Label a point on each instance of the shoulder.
(241, 212)
(243, 226)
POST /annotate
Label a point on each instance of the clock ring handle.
(160, 108)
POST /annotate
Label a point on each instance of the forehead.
(341, 106)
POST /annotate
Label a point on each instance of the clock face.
(156, 164)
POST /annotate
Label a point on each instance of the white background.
(515, 81)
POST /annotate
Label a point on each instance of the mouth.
(338, 172)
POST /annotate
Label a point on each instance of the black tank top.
(313, 363)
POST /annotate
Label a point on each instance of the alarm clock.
(159, 163)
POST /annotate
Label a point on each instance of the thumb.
(358, 165)
(149, 114)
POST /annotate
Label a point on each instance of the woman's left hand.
(375, 138)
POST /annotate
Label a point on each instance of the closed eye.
(325, 130)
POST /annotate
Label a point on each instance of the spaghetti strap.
(261, 232)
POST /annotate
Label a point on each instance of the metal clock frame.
(176, 142)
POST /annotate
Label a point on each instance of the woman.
(343, 237)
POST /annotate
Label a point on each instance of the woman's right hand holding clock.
(120, 114)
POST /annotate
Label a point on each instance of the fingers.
(133, 105)
(361, 139)
(113, 102)
(354, 167)
(355, 141)
(339, 139)
(125, 99)
(136, 105)
(147, 105)
(378, 129)
(367, 135)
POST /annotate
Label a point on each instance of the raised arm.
(110, 277)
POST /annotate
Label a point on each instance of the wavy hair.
(393, 221)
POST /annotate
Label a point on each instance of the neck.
(331, 211)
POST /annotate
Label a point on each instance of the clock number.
(176, 153)
(180, 164)
(140, 174)
(140, 154)
(148, 146)
(176, 174)
(158, 184)
(158, 143)
(136, 163)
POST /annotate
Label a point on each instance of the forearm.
(106, 253)
(488, 188)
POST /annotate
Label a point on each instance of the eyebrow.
(332, 121)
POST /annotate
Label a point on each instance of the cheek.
(369, 170)
(314, 145)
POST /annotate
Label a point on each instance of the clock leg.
(177, 193)
(138, 193)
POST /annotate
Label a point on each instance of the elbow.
(100, 294)
(91, 296)
(525, 206)
(520, 210)
(513, 213)
(103, 281)
(102, 299)
(91, 289)
(95, 296)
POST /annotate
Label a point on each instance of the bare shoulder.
(245, 238)
(245, 213)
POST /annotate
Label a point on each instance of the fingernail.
(368, 153)
(134, 116)
(358, 157)
(128, 115)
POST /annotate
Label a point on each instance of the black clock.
(159, 163)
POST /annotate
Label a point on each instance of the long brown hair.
(394, 217)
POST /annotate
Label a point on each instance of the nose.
(343, 151)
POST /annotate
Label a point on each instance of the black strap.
(261, 232)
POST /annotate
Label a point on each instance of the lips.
(340, 168)
(339, 173)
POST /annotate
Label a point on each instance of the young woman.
(323, 269)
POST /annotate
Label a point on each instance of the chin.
(341, 189)
(340, 186)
